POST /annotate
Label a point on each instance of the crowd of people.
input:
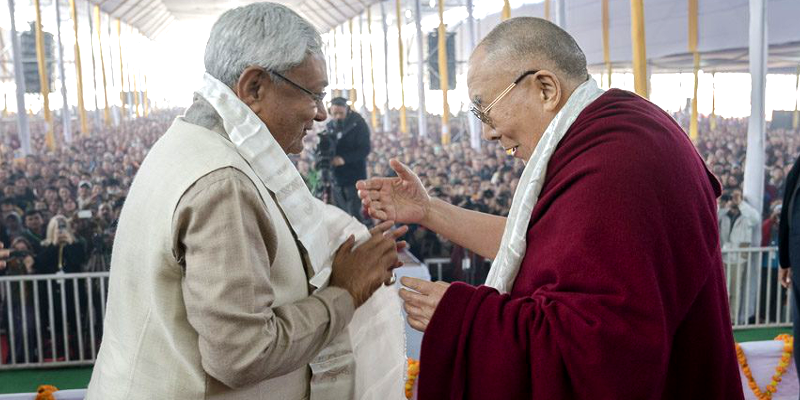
(724, 150)
(59, 211)
(59, 208)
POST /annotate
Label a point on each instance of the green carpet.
(78, 377)
(27, 380)
(752, 335)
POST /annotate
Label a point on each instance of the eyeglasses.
(483, 113)
(318, 97)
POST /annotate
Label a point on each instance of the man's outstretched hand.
(402, 198)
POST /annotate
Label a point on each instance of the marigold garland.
(783, 366)
(413, 372)
(45, 392)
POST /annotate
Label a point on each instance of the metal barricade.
(467, 271)
(438, 265)
(51, 320)
(756, 297)
(56, 320)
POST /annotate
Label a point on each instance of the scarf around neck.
(505, 266)
(253, 140)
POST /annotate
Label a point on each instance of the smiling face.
(288, 112)
(519, 119)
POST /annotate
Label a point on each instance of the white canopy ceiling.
(723, 26)
(722, 33)
(151, 16)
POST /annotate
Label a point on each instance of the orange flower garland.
(413, 372)
(45, 392)
(783, 366)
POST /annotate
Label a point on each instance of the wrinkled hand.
(421, 303)
(362, 270)
(402, 199)
(785, 277)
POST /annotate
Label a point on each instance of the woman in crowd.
(61, 253)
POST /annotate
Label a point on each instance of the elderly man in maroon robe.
(607, 280)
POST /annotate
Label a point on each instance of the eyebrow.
(477, 100)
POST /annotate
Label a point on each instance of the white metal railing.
(52, 320)
(756, 298)
(755, 295)
(445, 270)
(56, 320)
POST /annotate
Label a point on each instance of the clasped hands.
(404, 199)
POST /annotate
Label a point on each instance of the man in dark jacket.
(789, 245)
(352, 148)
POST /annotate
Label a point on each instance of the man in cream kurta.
(209, 293)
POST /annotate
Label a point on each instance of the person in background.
(14, 226)
(84, 195)
(789, 247)
(737, 221)
(5, 241)
(61, 253)
(19, 260)
(34, 231)
(352, 148)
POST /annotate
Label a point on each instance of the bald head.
(528, 40)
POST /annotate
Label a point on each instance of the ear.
(248, 87)
(550, 90)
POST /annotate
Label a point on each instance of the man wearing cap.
(84, 195)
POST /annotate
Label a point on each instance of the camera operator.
(350, 163)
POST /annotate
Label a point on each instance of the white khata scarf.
(377, 332)
(512, 248)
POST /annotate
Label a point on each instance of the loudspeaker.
(30, 65)
(433, 60)
(781, 119)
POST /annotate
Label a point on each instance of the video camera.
(324, 155)
(326, 150)
(18, 254)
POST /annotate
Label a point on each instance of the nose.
(322, 114)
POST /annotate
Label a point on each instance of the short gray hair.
(267, 35)
(523, 38)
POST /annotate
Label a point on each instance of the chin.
(295, 149)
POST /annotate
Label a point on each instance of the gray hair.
(267, 35)
(524, 38)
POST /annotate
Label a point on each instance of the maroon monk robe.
(621, 294)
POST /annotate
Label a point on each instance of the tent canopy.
(722, 33)
(151, 17)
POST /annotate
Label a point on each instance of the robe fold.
(621, 293)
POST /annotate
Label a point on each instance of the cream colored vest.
(149, 350)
